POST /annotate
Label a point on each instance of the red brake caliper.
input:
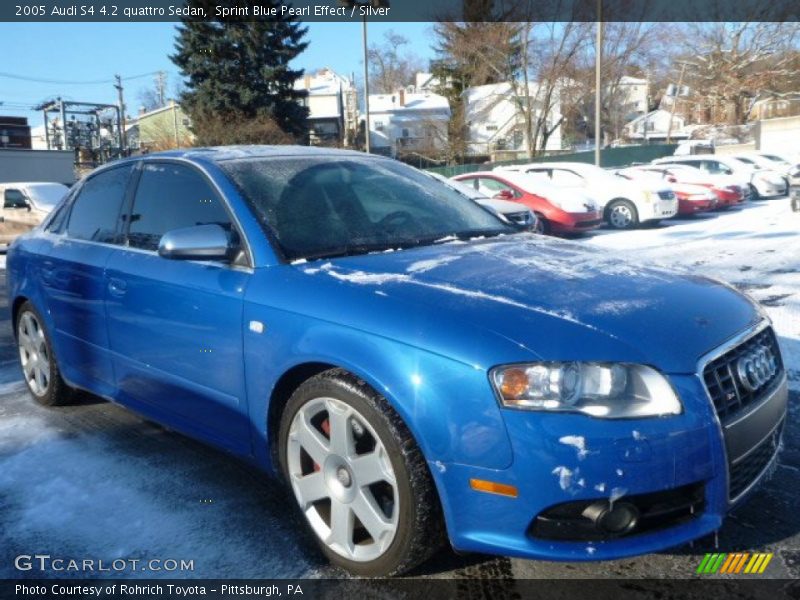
(326, 429)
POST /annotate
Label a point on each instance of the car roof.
(223, 153)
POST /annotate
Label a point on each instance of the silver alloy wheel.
(33, 353)
(343, 479)
(539, 227)
(621, 216)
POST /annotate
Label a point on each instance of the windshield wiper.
(344, 250)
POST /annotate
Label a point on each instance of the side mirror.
(201, 242)
(504, 195)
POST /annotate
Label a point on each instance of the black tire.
(56, 391)
(622, 205)
(754, 195)
(420, 527)
(542, 226)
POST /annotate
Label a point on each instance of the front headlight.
(607, 390)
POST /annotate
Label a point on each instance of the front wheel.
(39, 366)
(754, 195)
(541, 227)
(622, 214)
(358, 476)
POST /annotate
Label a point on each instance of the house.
(634, 96)
(769, 105)
(332, 105)
(654, 126)
(426, 82)
(495, 119)
(406, 123)
(160, 129)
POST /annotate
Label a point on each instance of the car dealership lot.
(96, 481)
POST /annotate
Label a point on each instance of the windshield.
(47, 195)
(320, 207)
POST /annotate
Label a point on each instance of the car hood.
(552, 299)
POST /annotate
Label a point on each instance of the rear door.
(72, 277)
(175, 326)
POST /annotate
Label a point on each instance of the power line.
(63, 82)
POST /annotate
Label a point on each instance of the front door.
(175, 326)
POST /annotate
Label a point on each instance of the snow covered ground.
(755, 248)
(96, 481)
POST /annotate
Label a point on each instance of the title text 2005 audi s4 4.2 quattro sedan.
(416, 369)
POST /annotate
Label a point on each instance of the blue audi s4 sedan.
(415, 369)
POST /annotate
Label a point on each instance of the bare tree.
(730, 63)
(390, 66)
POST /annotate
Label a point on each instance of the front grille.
(520, 218)
(590, 223)
(724, 380)
(747, 470)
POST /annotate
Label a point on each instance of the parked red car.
(725, 188)
(693, 198)
(558, 210)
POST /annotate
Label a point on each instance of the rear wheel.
(39, 366)
(622, 214)
(358, 476)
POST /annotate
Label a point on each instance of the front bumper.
(619, 459)
(566, 222)
(661, 209)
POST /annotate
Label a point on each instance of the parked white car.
(762, 183)
(516, 213)
(25, 205)
(772, 162)
(624, 203)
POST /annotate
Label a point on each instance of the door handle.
(117, 287)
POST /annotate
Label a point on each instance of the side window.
(13, 198)
(562, 177)
(171, 196)
(490, 187)
(96, 211)
(540, 173)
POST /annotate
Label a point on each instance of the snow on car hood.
(552, 299)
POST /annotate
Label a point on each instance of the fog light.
(616, 520)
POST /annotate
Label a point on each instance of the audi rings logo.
(756, 368)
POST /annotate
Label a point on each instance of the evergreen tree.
(238, 72)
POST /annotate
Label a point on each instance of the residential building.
(770, 105)
(654, 127)
(333, 107)
(15, 133)
(495, 119)
(406, 123)
(160, 129)
(634, 96)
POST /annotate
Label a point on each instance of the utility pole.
(675, 103)
(120, 115)
(161, 88)
(598, 61)
(366, 87)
